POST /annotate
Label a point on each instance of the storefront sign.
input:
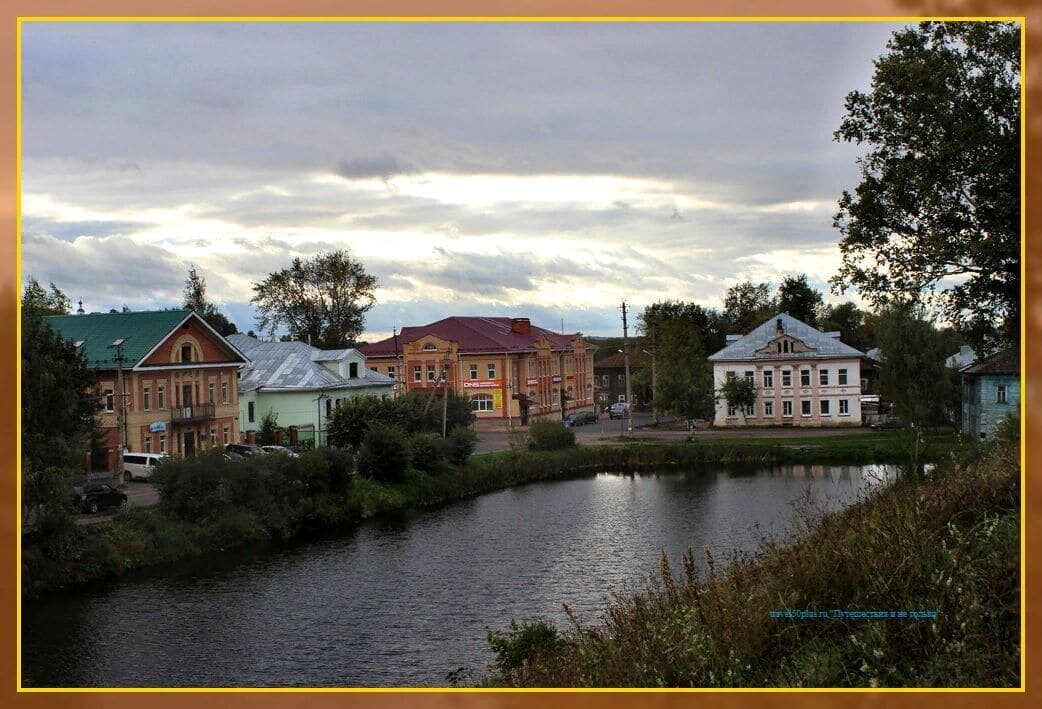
(156, 426)
(532, 382)
(557, 378)
(482, 383)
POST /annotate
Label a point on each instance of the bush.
(427, 452)
(550, 436)
(459, 444)
(384, 453)
(524, 645)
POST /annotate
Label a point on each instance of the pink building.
(803, 377)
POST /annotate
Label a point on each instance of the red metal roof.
(472, 334)
(1005, 362)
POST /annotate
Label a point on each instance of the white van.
(139, 466)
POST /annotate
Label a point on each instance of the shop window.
(481, 402)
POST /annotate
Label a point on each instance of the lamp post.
(121, 423)
(654, 394)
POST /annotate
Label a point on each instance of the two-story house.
(802, 376)
(167, 380)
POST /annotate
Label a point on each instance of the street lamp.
(654, 388)
(121, 423)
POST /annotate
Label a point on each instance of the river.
(401, 602)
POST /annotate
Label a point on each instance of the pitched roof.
(473, 335)
(296, 365)
(618, 361)
(824, 345)
(1004, 362)
(141, 331)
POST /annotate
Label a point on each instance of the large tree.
(322, 300)
(195, 299)
(937, 213)
(798, 299)
(37, 300)
(857, 327)
(746, 305)
(684, 335)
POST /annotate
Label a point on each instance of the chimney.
(521, 326)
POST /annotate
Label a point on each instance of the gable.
(196, 339)
(785, 344)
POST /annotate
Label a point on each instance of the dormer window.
(186, 353)
(352, 369)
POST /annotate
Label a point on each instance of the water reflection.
(402, 601)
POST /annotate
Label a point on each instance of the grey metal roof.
(823, 344)
(295, 365)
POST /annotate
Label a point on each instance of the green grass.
(950, 545)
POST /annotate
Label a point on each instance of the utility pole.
(626, 362)
(444, 396)
(121, 416)
(654, 378)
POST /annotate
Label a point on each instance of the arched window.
(430, 347)
(481, 402)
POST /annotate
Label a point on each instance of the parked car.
(890, 424)
(242, 450)
(139, 466)
(97, 496)
(578, 418)
(618, 410)
(282, 450)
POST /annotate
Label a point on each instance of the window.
(161, 397)
(750, 376)
(226, 435)
(1000, 394)
(844, 407)
(473, 371)
(430, 347)
(823, 377)
(731, 375)
(748, 410)
(786, 409)
(804, 377)
(841, 375)
(481, 402)
(622, 379)
(329, 407)
(213, 436)
(491, 370)
(211, 391)
(768, 408)
(109, 400)
(250, 411)
(146, 399)
(417, 373)
(186, 353)
(162, 443)
(805, 407)
(148, 444)
(768, 379)
(786, 378)
(622, 398)
(224, 392)
(390, 372)
(731, 410)
(430, 372)
(556, 397)
(826, 407)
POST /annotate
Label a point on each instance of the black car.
(578, 418)
(238, 451)
(891, 424)
(97, 496)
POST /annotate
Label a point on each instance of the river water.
(401, 602)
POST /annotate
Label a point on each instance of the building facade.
(610, 379)
(509, 368)
(990, 393)
(167, 380)
(300, 385)
(802, 376)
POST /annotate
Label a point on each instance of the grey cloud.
(67, 231)
(383, 167)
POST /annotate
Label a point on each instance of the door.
(186, 401)
(189, 443)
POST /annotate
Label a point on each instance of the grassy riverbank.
(211, 505)
(947, 549)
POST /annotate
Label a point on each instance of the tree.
(937, 214)
(195, 299)
(913, 377)
(746, 305)
(322, 300)
(41, 302)
(739, 392)
(798, 299)
(857, 327)
(685, 334)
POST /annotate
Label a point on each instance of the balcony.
(193, 413)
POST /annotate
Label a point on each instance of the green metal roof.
(141, 331)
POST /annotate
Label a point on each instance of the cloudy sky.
(540, 170)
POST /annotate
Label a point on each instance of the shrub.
(519, 441)
(459, 444)
(427, 452)
(523, 645)
(384, 453)
(549, 435)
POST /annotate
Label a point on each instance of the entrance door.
(189, 443)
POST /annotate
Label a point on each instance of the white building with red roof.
(509, 368)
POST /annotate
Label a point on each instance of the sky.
(541, 170)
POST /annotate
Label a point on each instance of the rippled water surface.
(403, 602)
